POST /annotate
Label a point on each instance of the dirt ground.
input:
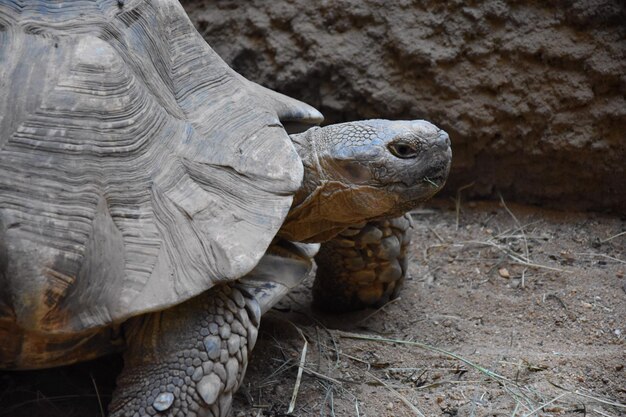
(508, 310)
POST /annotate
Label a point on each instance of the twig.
(592, 397)
(518, 397)
(329, 394)
(534, 410)
(322, 376)
(354, 358)
(515, 257)
(602, 413)
(539, 266)
(378, 310)
(95, 386)
(509, 232)
(600, 400)
(429, 181)
(481, 369)
(292, 403)
(521, 229)
(602, 255)
(356, 406)
(513, 236)
(320, 324)
(434, 232)
(516, 407)
(519, 225)
(397, 394)
(458, 201)
(613, 237)
(286, 365)
(444, 382)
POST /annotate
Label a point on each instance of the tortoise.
(153, 202)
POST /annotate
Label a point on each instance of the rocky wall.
(531, 92)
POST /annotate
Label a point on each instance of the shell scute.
(136, 169)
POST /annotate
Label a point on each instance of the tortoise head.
(366, 170)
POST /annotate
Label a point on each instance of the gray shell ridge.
(136, 168)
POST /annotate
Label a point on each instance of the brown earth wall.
(531, 92)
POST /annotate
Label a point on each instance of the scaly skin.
(189, 360)
(363, 171)
(363, 266)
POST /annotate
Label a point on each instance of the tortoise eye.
(403, 150)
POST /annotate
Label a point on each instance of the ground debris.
(554, 344)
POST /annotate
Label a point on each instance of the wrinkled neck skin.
(351, 177)
(312, 157)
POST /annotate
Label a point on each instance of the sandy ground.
(508, 310)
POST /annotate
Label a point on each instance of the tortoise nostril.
(443, 140)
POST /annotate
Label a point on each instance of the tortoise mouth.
(410, 196)
(436, 183)
(423, 185)
(438, 172)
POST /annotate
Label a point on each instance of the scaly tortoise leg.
(363, 266)
(190, 359)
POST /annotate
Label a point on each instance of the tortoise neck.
(307, 145)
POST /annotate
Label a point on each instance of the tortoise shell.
(137, 169)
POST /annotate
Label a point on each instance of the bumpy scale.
(189, 360)
(364, 266)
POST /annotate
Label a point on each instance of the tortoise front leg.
(188, 360)
(362, 267)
